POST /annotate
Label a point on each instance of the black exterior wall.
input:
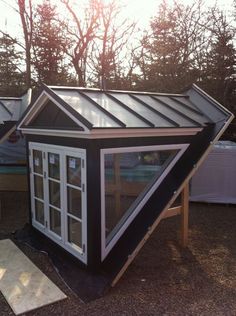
(93, 147)
(152, 209)
(98, 275)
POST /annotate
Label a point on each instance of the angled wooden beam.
(184, 214)
(169, 211)
(173, 211)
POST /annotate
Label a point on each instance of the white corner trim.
(211, 99)
(105, 249)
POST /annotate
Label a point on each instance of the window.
(58, 187)
(129, 177)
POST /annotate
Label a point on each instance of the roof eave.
(113, 132)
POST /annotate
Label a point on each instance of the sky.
(140, 10)
(144, 12)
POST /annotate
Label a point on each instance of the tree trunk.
(27, 30)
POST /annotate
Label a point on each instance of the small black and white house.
(103, 165)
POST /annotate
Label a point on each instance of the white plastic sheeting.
(13, 149)
(13, 152)
(215, 180)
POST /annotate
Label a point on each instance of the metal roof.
(11, 109)
(5, 113)
(6, 129)
(123, 109)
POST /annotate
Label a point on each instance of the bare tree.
(220, 61)
(26, 14)
(110, 48)
(82, 29)
(170, 53)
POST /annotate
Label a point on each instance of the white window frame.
(63, 152)
(105, 249)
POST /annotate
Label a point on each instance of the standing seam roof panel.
(166, 118)
(14, 106)
(137, 106)
(178, 109)
(117, 110)
(4, 114)
(86, 109)
(184, 109)
(130, 110)
(174, 116)
(114, 118)
(185, 101)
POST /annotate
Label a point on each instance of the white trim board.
(114, 133)
(105, 249)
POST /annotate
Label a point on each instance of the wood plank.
(173, 211)
(23, 285)
(136, 251)
(5, 137)
(184, 215)
(125, 187)
(148, 234)
(117, 183)
(13, 182)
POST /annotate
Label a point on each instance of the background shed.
(12, 143)
(215, 180)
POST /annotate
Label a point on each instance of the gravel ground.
(164, 279)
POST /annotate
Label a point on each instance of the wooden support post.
(169, 211)
(117, 184)
(184, 214)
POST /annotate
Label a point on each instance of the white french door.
(58, 195)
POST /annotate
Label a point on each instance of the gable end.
(51, 116)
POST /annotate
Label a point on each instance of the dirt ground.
(164, 279)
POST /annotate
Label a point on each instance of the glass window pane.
(74, 171)
(85, 108)
(74, 202)
(39, 211)
(38, 161)
(55, 221)
(54, 166)
(129, 119)
(74, 232)
(38, 187)
(54, 193)
(128, 177)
